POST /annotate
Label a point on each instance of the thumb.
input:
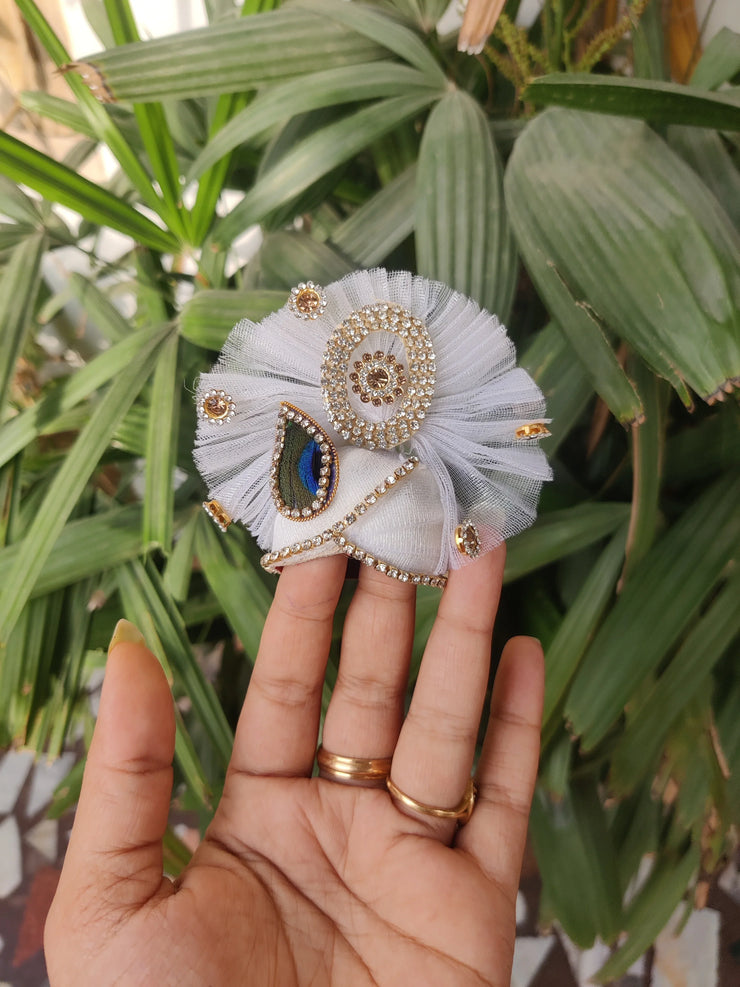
(115, 851)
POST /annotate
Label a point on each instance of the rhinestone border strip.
(402, 575)
(270, 560)
(421, 375)
(329, 459)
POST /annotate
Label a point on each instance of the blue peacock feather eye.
(298, 469)
(309, 467)
(305, 470)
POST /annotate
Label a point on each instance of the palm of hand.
(301, 880)
(362, 896)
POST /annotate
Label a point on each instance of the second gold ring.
(460, 812)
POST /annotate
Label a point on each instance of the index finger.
(279, 722)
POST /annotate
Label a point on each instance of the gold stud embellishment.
(535, 430)
(307, 300)
(216, 511)
(378, 378)
(467, 539)
(410, 390)
(217, 407)
(305, 466)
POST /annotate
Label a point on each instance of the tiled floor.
(31, 851)
(706, 954)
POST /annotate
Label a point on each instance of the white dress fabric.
(472, 467)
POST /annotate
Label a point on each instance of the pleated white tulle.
(472, 465)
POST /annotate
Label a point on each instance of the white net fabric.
(467, 441)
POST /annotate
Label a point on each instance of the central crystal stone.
(378, 377)
(307, 301)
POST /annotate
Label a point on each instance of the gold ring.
(461, 812)
(370, 772)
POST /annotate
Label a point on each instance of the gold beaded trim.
(418, 391)
(329, 463)
(217, 407)
(307, 300)
(402, 575)
(535, 430)
(217, 511)
(271, 559)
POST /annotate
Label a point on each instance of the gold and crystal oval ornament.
(377, 376)
(305, 466)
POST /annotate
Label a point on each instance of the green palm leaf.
(69, 482)
(226, 57)
(648, 99)
(57, 183)
(462, 230)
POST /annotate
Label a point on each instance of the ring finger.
(366, 709)
(436, 746)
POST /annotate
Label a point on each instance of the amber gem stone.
(216, 406)
(307, 301)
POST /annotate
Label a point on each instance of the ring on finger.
(369, 772)
(461, 812)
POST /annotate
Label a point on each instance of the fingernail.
(125, 633)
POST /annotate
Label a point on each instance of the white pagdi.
(472, 466)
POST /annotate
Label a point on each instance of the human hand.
(301, 880)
